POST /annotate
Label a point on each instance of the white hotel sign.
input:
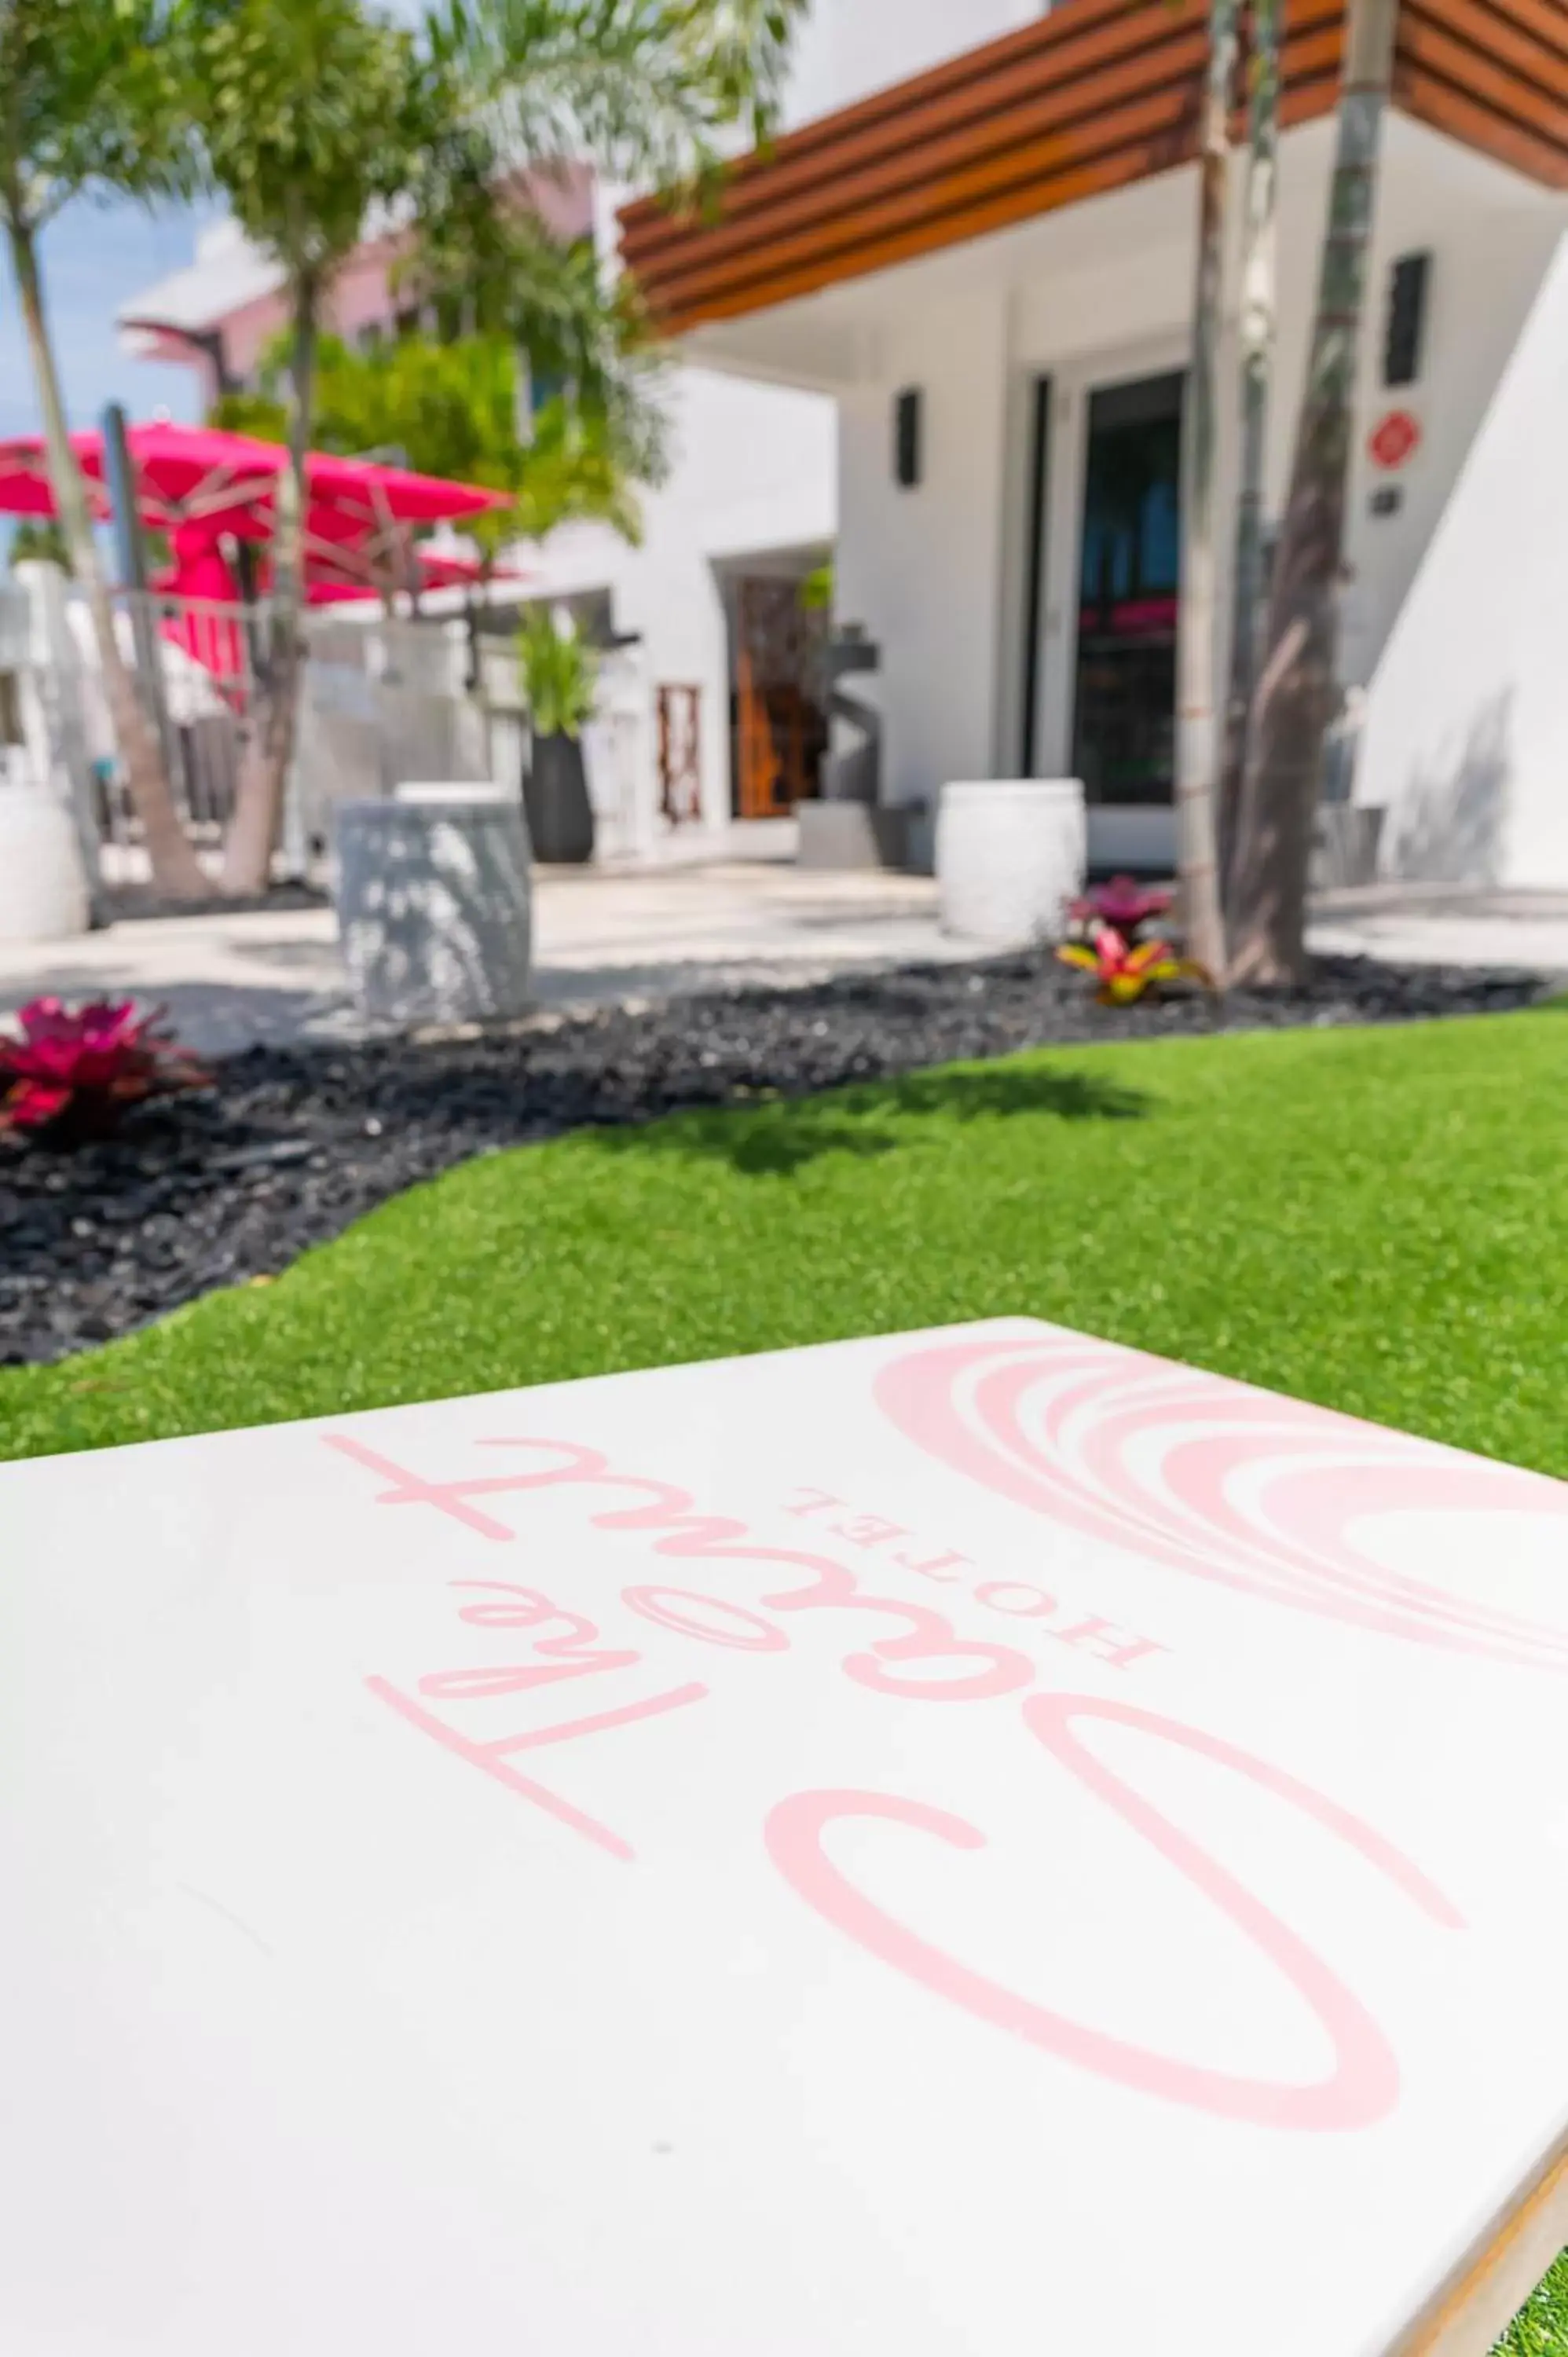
(955, 1846)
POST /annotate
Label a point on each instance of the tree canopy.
(451, 409)
(90, 103)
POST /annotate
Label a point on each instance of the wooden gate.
(780, 730)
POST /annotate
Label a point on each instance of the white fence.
(385, 703)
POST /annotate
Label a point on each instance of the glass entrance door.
(1124, 681)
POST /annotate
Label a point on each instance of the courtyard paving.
(617, 938)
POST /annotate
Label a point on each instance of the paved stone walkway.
(231, 980)
(1447, 924)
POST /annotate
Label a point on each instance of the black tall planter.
(555, 798)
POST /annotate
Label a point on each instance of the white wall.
(1490, 237)
(848, 49)
(1116, 293)
(922, 568)
(1467, 727)
(1101, 290)
(754, 472)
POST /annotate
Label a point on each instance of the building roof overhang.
(1095, 96)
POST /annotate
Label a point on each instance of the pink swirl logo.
(1265, 1495)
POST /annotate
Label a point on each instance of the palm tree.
(324, 116)
(85, 107)
(1259, 306)
(1293, 704)
(1197, 858)
(451, 404)
(316, 118)
(310, 114)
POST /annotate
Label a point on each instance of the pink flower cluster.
(75, 1071)
(1123, 904)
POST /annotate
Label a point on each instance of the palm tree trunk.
(1295, 694)
(1259, 311)
(263, 777)
(175, 867)
(1197, 733)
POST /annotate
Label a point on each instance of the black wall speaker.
(1405, 332)
(907, 438)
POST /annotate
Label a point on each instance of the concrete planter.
(434, 905)
(1011, 854)
(43, 887)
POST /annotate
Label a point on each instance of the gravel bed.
(290, 1145)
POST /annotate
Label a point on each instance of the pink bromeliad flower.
(1125, 972)
(1123, 904)
(75, 1071)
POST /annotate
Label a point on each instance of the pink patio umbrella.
(329, 582)
(359, 517)
(25, 482)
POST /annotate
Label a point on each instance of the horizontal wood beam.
(1096, 96)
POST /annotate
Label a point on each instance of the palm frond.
(655, 90)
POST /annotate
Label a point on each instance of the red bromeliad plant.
(73, 1072)
(1126, 971)
(1124, 903)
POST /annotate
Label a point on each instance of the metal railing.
(383, 703)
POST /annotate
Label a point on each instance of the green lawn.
(1376, 1219)
(1373, 1219)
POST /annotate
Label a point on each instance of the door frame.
(1135, 833)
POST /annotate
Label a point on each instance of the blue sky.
(94, 256)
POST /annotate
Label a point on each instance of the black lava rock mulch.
(290, 1145)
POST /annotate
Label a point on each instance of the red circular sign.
(1394, 438)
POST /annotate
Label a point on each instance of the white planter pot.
(435, 906)
(1011, 854)
(43, 890)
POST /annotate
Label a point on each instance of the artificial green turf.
(1376, 1219)
(1541, 2328)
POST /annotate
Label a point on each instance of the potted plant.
(558, 673)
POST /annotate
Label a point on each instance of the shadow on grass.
(779, 1139)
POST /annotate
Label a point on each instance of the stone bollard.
(434, 904)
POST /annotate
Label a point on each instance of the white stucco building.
(942, 328)
(751, 505)
(989, 268)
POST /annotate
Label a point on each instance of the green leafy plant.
(559, 673)
(40, 540)
(451, 409)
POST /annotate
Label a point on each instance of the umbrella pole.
(131, 553)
